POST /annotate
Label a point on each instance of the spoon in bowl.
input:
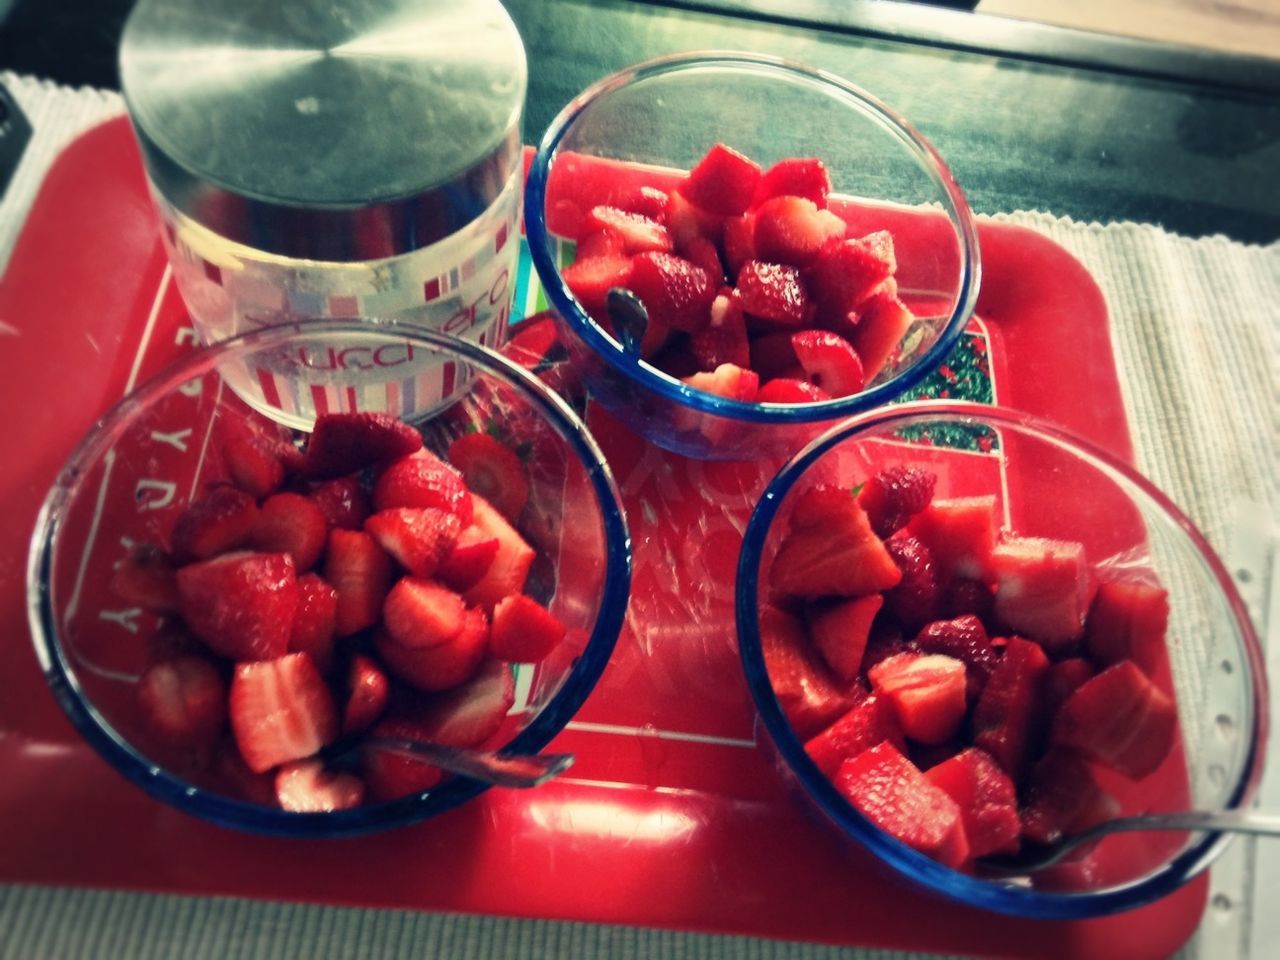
(501, 770)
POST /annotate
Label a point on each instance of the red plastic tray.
(674, 815)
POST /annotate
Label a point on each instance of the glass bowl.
(1048, 484)
(651, 123)
(165, 444)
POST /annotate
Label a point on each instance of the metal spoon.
(630, 318)
(502, 770)
(1216, 821)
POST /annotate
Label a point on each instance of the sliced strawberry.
(492, 469)
(423, 481)
(1127, 621)
(961, 535)
(389, 776)
(183, 700)
(738, 240)
(724, 338)
(724, 181)
(964, 638)
(773, 355)
(894, 495)
(361, 572)
(241, 604)
(1042, 589)
(418, 538)
(343, 501)
(305, 786)
(810, 697)
(829, 362)
(840, 629)
(1119, 719)
(1064, 678)
(686, 220)
(315, 621)
(253, 468)
(600, 243)
(880, 244)
(986, 797)
(510, 567)
(795, 176)
(838, 556)
(792, 230)
(869, 722)
(368, 692)
(883, 323)
(1063, 798)
(701, 252)
(914, 601)
(343, 443)
(145, 577)
(422, 613)
(439, 666)
(222, 520)
(787, 390)
(647, 201)
(774, 294)
(727, 380)
(1008, 720)
(467, 562)
(844, 274)
(927, 692)
(293, 524)
(591, 278)
(890, 792)
(673, 289)
(523, 631)
(280, 710)
(637, 232)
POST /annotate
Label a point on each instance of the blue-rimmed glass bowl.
(663, 115)
(1049, 484)
(146, 458)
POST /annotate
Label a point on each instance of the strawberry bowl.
(970, 634)
(295, 545)
(743, 248)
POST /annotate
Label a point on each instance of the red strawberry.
(293, 524)
(797, 176)
(890, 792)
(647, 201)
(600, 243)
(837, 556)
(252, 467)
(840, 630)
(880, 244)
(280, 710)
(1042, 589)
(419, 539)
(883, 323)
(724, 338)
(1008, 720)
(389, 776)
(510, 567)
(987, 800)
(787, 390)
(222, 520)
(1119, 719)
(701, 252)
(868, 723)
(727, 380)
(422, 613)
(467, 562)
(343, 501)
(927, 692)
(146, 577)
(810, 697)
(686, 220)
(368, 692)
(438, 666)
(1064, 678)
(828, 361)
(523, 631)
(724, 181)
(914, 601)
(673, 290)
(773, 355)
(184, 701)
(343, 443)
(305, 786)
(1127, 621)
(315, 621)
(1063, 798)
(966, 639)
(792, 230)
(894, 495)
(361, 572)
(241, 604)
(843, 275)
(423, 481)
(591, 278)
(637, 232)
(961, 534)
(739, 242)
(773, 293)
(492, 469)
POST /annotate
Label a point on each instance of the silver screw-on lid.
(322, 129)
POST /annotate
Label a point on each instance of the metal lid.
(324, 130)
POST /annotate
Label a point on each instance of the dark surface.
(1071, 124)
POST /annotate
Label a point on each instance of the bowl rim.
(953, 200)
(227, 811)
(916, 866)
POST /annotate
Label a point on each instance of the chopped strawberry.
(241, 604)
(146, 577)
(1042, 589)
(792, 230)
(1127, 621)
(824, 504)
(894, 495)
(673, 289)
(724, 338)
(361, 572)
(422, 613)
(437, 666)
(890, 792)
(1008, 720)
(1064, 678)
(637, 232)
(844, 274)
(253, 468)
(987, 800)
(343, 443)
(787, 390)
(280, 710)
(423, 481)
(795, 176)
(829, 362)
(591, 278)
(727, 380)
(810, 697)
(961, 534)
(523, 631)
(220, 521)
(315, 621)
(647, 201)
(293, 524)
(867, 723)
(927, 692)
(184, 701)
(418, 538)
(883, 323)
(839, 556)
(964, 638)
(1119, 719)
(467, 562)
(600, 243)
(686, 220)
(305, 786)
(1063, 798)
(738, 241)
(702, 253)
(914, 601)
(840, 630)
(368, 692)
(389, 776)
(774, 355)
(343, 501)
(774, 294)
(492, 469)
(510, 567)
(724, 181)
(880, 244)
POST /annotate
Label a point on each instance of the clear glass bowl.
(1049, 484)
(664, 115)
(145, 459)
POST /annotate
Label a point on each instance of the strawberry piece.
(840, 630)
(523, 630)
(591, 278)
(637, 232)
(252, 467)
(389, 776)
(145, 577)
(724, 181)
(964, 638)
(220, 521)
(961, 535)
(927, 692)
(437, 666)
(894, 495)
(419, 539)
(280, 710)
(686, 220)
(914, 601)
(510, 567)
(787, 390)
(738, 240)
(880, 244)
(423, 481)
(343, 501)
(1063, 798)
(343, 443)
(795, 176)
(773, 355)
(184, 701)
(829, 362)
(843, 274)
(1008, 720)
(361, 572)
(491, 468)
(647, 201)
(838, 555)
(869, 722)
(241, 604)
(422, 613)
(1127, 621)
(315, 621)
(368, 692)
(724, 338)
(987, 800)
(810, 697)
(1064, 678)
(774, 294)
(305, 786)
(883, 323)
(467, 562)
(673, 289)
(293, 524)
(890, 792)
(701, 252)
(1119, 719)
(1042, 589)
(600, 243)
(727, 380)
(792, 230)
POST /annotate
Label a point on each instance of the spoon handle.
(527, 770)
(1232, 821)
